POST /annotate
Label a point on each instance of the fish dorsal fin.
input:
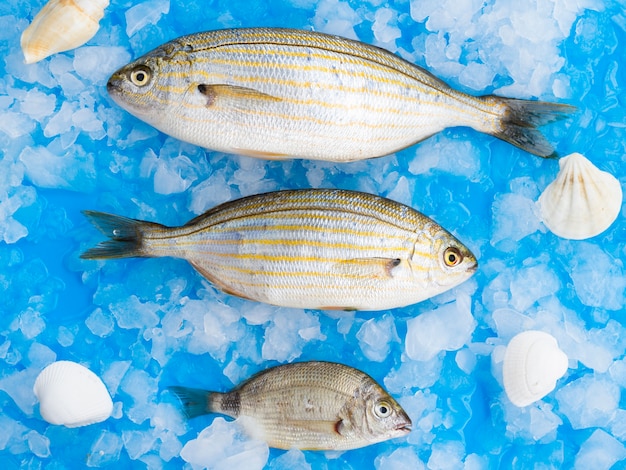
(378, 268)
(232, 94)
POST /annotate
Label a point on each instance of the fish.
(277, 93)
(306, 405)
(308, 248)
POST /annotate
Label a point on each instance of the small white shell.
(532, 364)
(582, 201)
(61, 25)
(72, 395)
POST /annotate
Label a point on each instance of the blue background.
(145, 324)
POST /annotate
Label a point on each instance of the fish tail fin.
(521, 119)
(126, 236)
(195, 402)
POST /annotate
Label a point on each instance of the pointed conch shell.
(61, 25)
(72, 395)
(532, 364)
(582, 201)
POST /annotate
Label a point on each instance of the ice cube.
(38, 444)
(105, 450)
(599, 451)
(385, 28)
(375, 336)
(100, 323)
(284, 339)
(222, 446)
(448, 455)
(403, 458)
(291, 459)
(446, 328)
(336, 17)
(514, 217)
(132, 313)
(38, 104)
(138, 443)
(530, 284)
(97, 63)
(113, 375)
(589, 401)
(31, 323)
(15, 124)
(145, 13)
(598, 278)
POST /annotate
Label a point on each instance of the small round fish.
(306, 405)
(309, 248)
(278, 93)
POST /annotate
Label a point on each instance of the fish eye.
(140, 76)
(452, 256)
(382, 409)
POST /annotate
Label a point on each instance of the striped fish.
(311, 248)
(280, 93)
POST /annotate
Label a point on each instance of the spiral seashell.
(582, 201)
(71, 395)
(61, 25)
(532, 364)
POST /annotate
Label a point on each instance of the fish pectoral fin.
(379, 268)
(314, 430)
(344, 428)
(233, 94)
(340, 426)
(319, 426)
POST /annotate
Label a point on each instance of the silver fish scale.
(316, 249)
(283, 93)
(300, 38)
(303, 404)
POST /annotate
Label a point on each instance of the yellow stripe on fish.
(282, 93)
(312, 248)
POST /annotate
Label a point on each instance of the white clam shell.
(72, 395)
(61, 25)
(582, 201)
(532, 364)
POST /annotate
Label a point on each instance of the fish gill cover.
(143, 325)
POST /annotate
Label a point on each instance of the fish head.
(143, 86)
(388, 418)
(374, 416)
(448, 262)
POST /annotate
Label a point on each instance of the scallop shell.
(72, 395)
(61, 25)
(532, 364)
(582, 201)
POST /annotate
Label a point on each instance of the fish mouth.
(404, 428)
(113, 85)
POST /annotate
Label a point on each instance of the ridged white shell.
(582, 201)
(61, 25)
(532, 364)
(72, 395)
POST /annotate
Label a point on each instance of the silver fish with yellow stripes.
(306, 405)
(280, 93)
(310, 248)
